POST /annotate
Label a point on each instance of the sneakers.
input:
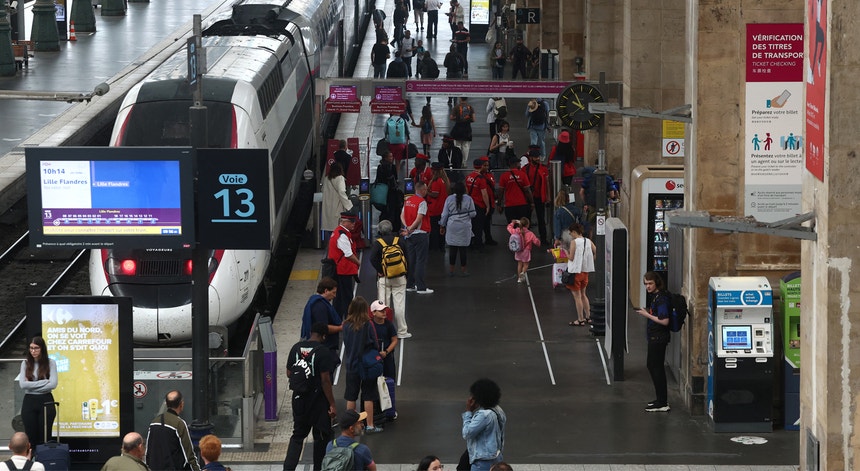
(407, 335)
(521, 278)
(657, 408)
(411, 289)
(373, 430)
(426, 291)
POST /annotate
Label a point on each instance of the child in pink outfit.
(524, 256)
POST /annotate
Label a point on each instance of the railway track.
(26, 272)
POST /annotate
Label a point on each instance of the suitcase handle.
(45, 414)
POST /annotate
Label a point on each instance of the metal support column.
(45, 35)
(7, 57)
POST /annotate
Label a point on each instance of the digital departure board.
(109, 197)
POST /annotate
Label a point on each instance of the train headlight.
(124, 267)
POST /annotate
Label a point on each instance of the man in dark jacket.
(397, 68)
(379, 55)
(168, 444)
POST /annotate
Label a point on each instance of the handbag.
(384, 395)
(328, 268)
(379, 193)
(371, 360)
(567, 277)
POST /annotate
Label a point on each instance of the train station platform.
(564, 413)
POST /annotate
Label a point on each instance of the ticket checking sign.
(233, 198)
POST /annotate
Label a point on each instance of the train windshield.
(166, 123)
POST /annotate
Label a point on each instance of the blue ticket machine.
(740, 354)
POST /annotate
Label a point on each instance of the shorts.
(354, 384)
(580, 281)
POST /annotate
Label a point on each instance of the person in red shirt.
(515, 194)
(436, 194)
(479, 188)
(416, 225)
(538, 174)
(421, 170)
(565, 152)
(341, 249)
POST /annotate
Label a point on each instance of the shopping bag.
(557, 270)
(379, 194)
(384, 396)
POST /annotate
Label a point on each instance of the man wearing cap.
(421, 171)
(390, 290)
(341, 249)
(478, 187)
(450, 156)
(416, 226)
(537, 113)
(351, 426)
(515, 195)
(313, 401)
(538, 174)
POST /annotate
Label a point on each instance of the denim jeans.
(417, 246)
(536, 137)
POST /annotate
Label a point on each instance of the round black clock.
(573, 106)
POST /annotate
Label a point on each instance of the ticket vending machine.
(741, 360)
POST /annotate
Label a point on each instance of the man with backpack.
(537, 114)
(309, 367)
(344, 453)
(388, 256)
(657, 331)
(397, 133)
(463, 116)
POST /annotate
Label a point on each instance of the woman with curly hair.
(484, 425)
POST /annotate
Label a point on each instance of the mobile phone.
(781, 99)
(364, 186)
(409, 187)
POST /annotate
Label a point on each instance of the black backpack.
(302, 371)
(538, 116)
(431, 69)
(677, 311)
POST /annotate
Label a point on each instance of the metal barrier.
(236, 390)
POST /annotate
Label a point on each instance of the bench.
(22, 51)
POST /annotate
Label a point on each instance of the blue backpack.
(396, 130)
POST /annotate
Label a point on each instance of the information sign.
(233, 199)
(387, 99)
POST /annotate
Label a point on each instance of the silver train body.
(262, 60)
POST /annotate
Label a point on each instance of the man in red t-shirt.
(436, 194)
(341, 249)
(416, 229)
(538, 174)
(421, 170)
(480, 187)
(515, 195)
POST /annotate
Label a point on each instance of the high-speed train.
(262, 59)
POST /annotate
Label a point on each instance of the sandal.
(577, 323)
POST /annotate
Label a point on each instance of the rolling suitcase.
(54, 455)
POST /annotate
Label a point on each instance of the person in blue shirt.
(658, 334)
(319, 308)
(484, 425)
(351, 426)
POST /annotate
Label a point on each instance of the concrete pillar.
(83, 17)
(830, 351)
(113, 7)
(571, 23)
(44, 34)
(7, 57)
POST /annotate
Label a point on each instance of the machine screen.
(737, 337)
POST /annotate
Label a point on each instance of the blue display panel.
(737, 337)
(110, 197)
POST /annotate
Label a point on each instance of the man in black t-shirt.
(379, 55)
(314, 408)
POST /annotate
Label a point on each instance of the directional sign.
(233, 198)
(528, 16)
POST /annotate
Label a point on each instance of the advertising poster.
(774, 121)
(816, 78)
(83, 339)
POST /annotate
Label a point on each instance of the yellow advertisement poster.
(84, 341)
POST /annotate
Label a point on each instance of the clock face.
(573, 106)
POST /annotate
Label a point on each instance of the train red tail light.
(187, 267)
(128, 267)
(122, 267)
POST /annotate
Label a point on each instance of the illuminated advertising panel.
(89, 338)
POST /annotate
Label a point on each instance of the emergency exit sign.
(528, 16)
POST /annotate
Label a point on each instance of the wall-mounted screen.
(737, 337)
(110, 197)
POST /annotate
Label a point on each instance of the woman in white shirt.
(580, 262)
(335, 199)
(37, 379)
